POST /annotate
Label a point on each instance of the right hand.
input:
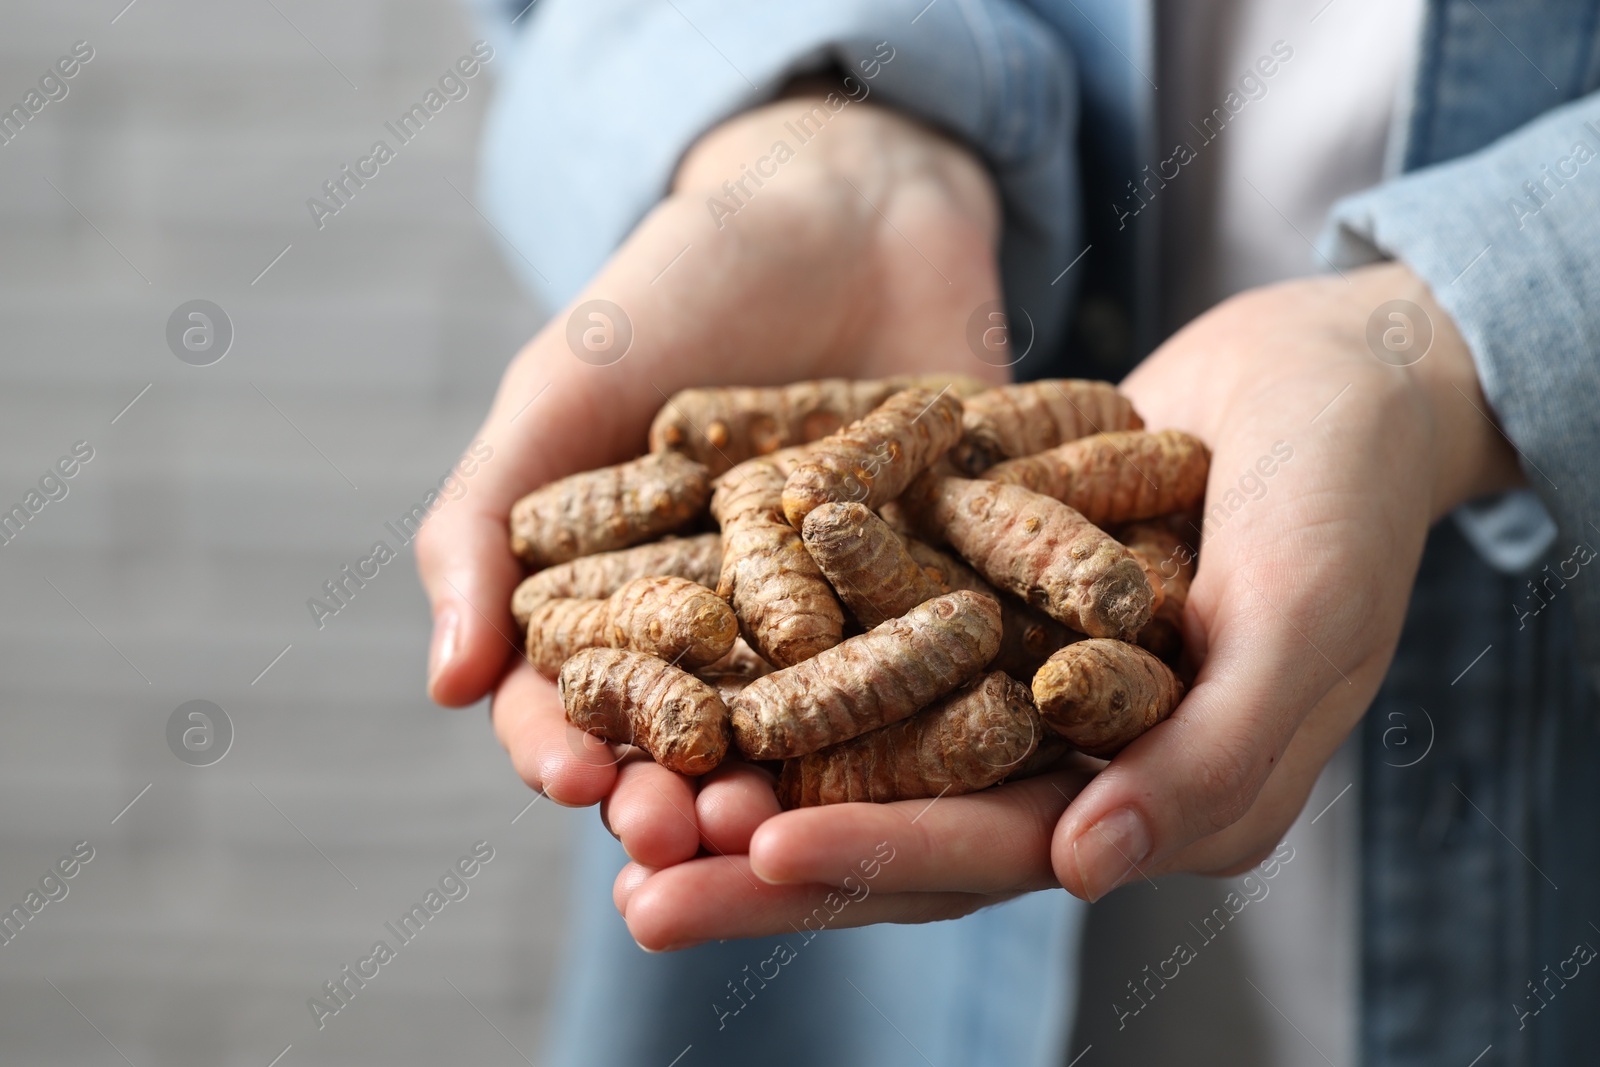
(862, 256)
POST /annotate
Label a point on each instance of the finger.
(651, 811)
(1203, 769)
(716, 897)
(733, 800)
(987, 842)
(469, 574)
(630, 878)
(545, 424)
(1247, 842)
(463, 550)
(552, 756)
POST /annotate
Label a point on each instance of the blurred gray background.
(178, 566)
(184, 552)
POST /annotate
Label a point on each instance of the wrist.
(1472, 456)
(822, 133)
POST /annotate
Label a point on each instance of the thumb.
(469, 574)
(1202, 769)
(547, 421)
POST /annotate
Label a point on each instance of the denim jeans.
(994, 988)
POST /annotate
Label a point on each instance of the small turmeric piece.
(1029, 417)
(945, 569)
(1117, 477)
(730, 674)
(723, 427)
(880, 575)
(959, 386)
(1027, 635)
(696, 558)
(740, 661)
(614, 507)
(637, 699)
(867, 563)
(727, 686)
(1038, 549)
(786, 609)
(1028, 639)
(977, 736)
(1164, 555)
(880, 677)
(1101, 695)
(673, 618)
(872, 460)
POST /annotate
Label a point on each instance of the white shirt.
(1247, 208)
(1244, 212)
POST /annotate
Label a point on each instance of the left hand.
(822, 274)
(1304, 578)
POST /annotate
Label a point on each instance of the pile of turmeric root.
(913, 587)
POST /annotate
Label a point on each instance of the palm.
(1306, 572)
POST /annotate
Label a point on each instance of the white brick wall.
(192, 539)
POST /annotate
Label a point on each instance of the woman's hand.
(1328, 468)
(860, 256)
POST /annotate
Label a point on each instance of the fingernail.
(1109, 851)
(679, 947)
(769, 877)
(446, 642)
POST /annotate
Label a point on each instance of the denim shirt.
(1481, 817)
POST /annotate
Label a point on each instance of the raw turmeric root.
(1040, 550)
(1022, 419)
(723, 427)
(1027, 635)
(869, 681)
(880, 575)
(837, 482)
(613, 507)
(741, 661)
(871, 461)
(672, 618)
(696, 558)
(1029, 638)
(945, 569)
(1101, 695)
(786, 610)
(971, 739)
(959, 386)
(727, 686)
(867, 563)
(637, 699)
(730, 674)
(1117, 477)
(1172, 563)
(1152, 574)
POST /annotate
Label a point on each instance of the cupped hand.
(1330, 463)
(1328, 467)
(907, 862)
(861, 256)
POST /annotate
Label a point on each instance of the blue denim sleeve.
(601, 98)
(1508, 238)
